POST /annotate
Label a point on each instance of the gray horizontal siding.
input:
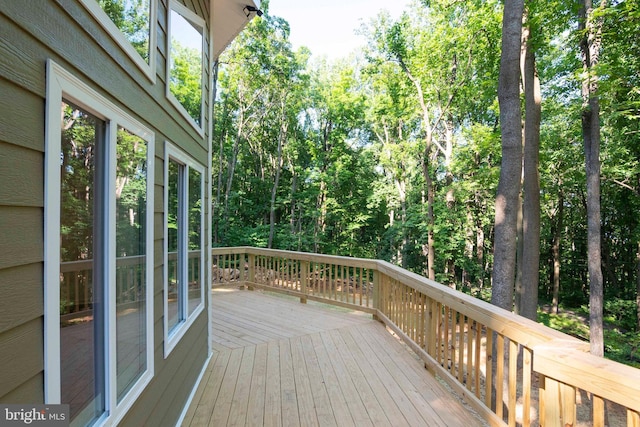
(31, 32)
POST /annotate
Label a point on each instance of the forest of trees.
(408, 151)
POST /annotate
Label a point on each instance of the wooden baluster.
(542, 399)
(569, 410)
(559, 404)
(438, 320)
(477, 353)
(513, 371)
(633, 418)
(499, 375)
(445, 338)
(527, 357)
(488, 381)
(461, 347)
(470, 351)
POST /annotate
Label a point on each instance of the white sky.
(327, 27)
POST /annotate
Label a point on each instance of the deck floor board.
(277, 362)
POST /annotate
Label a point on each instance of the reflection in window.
(132, 17)
(184, 285)
(174, 229)
(186, 61)
(131, 201)
(82, 367)
(195, 239)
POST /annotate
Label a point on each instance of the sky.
(327, 27)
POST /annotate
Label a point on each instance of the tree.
(527, 298)
(591, 25)
(507, 199)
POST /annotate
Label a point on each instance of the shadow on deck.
(278, 362)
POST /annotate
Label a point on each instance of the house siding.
(32, 32)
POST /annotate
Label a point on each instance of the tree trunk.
(590, 49)
(556, 252)
(531, 185)
(638, 287)
(276, 181)
(431, 270)
(509, 185)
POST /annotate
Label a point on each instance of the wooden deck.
(277, 362)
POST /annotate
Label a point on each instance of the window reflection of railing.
(76, 282)
(512, 371)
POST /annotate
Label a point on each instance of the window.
(131, 23)
(98, 253)
(185, 73)
(184, 263)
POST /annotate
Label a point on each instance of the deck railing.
(511, 370)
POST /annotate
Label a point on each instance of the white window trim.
(149, 69)
(173, 337)
(195, 19)
(62, 84)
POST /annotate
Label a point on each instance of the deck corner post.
(376, 294)
(557, 403)
(252, 272)
(304, 279)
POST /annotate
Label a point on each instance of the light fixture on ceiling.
(248, 10)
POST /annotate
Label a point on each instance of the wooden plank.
(303, 378)
(356, 376)
(352, 399)
(500, 376)
(340, 411)
(273, 399)
(290, 415)
(323, 410)
(222, 407)
(527, 357)
(610, 380)
(197, 398)
(513, 371)
(420, 387)
(240, 401)
(367, 364)
(256, 406)
(478, 349)
(381, 370)
(598, 410)
(489, 369)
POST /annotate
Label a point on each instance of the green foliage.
(132, 18)
(622, 313)
(355, 158)
(186, 78)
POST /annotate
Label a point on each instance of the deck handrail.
(541, 376)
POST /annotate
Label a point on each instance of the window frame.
(149, 69)
(61, 86)
(194, 19)
(172, 337)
